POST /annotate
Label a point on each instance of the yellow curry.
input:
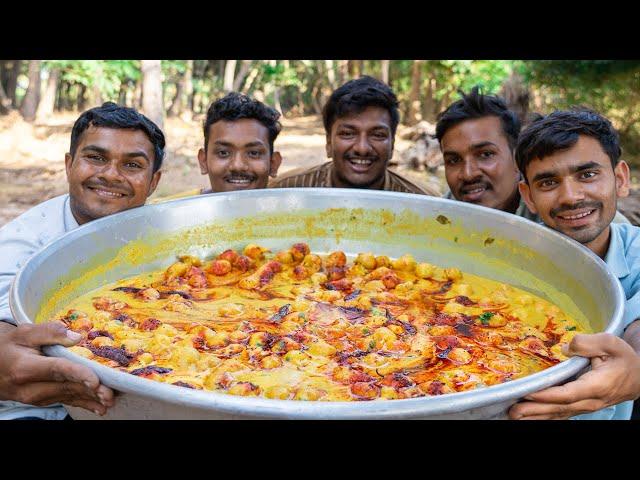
(296, 325)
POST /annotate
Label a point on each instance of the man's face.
(575, 190)
(479, 164)
(361, 145)
(111, 171)
(238, 156)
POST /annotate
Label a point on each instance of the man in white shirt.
(113, 165)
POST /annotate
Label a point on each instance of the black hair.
(110, 115)
(560, 130)
(355, 96)
(235, 106)
(477, 105)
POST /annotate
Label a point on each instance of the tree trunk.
(81, 99)
(343, 71)
(45, 108)
(10, 72)
(229, 73)
(122, 94)
(253, 74)
(517, 96)
(176, 104)
(413, 115)
(152, 103)
(245, 66)
(429, 105)
(32, 97)
(384, 71)
(5, 102)
(355, 68)
(331, 74)
(187, 113)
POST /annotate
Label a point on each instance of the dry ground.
(32, 159)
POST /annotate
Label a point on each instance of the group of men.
(563, 170)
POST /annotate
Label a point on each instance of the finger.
(52, 333)
(106, 396)
(596, 345)
(52, 369)
(47, 393)
(553, 410)
(588, 386)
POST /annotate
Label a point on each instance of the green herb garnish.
(485, 317)
(570, 328)
(73, 316)
(372, 344)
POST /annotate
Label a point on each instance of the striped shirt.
(320, 176)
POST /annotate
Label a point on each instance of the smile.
(105, 193)
(576, 216)
(239, 181)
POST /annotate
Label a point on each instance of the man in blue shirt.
(113, 165)
(573, 176)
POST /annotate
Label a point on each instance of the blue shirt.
(20, 239)
(623, 259)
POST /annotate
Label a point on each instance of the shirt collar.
(70, 222)
(615, 257)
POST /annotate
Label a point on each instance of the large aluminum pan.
(475, 239)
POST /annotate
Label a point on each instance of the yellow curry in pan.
(297, 325)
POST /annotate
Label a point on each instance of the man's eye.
(380, 135)
(588, 175)
(487, 154)
(133, 165)
(451, 160)
(254, 153)
(547, 183)
(346, 133)
(222, 153)
(95, 158)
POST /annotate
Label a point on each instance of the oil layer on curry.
(296, 325)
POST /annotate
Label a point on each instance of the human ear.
(68, 161)
(525, 193)
(202, 160)
(622, 174)
(274, 165)
(328, 147)
(155, 179)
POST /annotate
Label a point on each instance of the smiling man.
(478, 135)
(573, 176)
(238, 154)
(360, 120)
(113, 165)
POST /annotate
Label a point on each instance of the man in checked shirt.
(360, 121)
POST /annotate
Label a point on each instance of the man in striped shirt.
(360, 121)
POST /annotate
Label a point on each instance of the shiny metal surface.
(475, 239)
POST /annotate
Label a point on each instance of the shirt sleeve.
(17, 244)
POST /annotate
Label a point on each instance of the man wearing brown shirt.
(360, 121)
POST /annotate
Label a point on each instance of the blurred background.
(40, 100)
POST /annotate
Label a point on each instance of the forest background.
(40, 100)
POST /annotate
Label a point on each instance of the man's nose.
(238, 162)
(362, 146)
(111, 173)
(470, 169)
(571, 192)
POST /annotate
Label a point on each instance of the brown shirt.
(320, 176)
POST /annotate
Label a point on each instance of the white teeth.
(580, 215)
(476, 190)
(239, 180)
(359, 161)
(105, 193)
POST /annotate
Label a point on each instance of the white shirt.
(20, 239)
